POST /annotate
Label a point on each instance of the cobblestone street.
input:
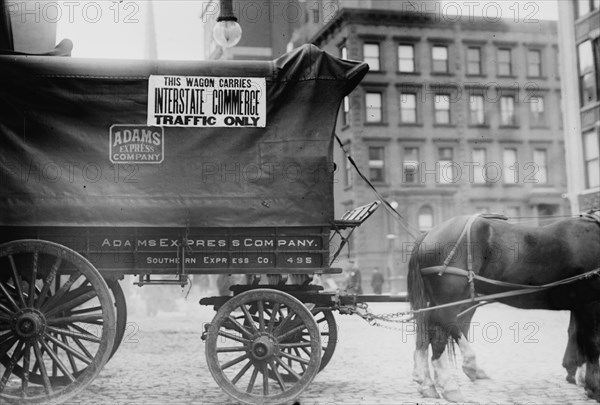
(161, 361)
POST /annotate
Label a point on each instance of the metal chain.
(362, 309)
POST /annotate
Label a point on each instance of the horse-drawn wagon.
(167, 168)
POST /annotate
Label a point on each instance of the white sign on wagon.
(195, 101)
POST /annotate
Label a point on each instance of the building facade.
(579, 42)
(456, 116)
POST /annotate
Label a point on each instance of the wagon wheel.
(328, 330)
(121, 313)
(57, 322)
(238, 352)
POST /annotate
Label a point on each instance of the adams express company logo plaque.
(131, 143)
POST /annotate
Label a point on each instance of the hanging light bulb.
(227, 32)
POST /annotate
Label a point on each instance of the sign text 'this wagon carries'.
(193, 101)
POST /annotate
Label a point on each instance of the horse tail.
(417, 294)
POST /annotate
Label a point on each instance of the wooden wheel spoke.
(48, 283)
(34, 269)
(294, 358)
(238, 327)
(56, 361)
(295, 344)
(302, 364)
(234, 361)
(290, 332)
(61, 292)
(82, 347)
(42, 367)
(71, 353)
(242, 372)
(25, 378)
(265, 373)
(249, 319)
(94, 319)
(85, 310)
(6, 310)
(73, 300)
(285, 320)
(287, 368)
(232, 349)
(10, 299)
(7, 344)
(261, 315)
(252, 380)
(18, 353)
(83, 336)
(277, 376)
(273, 316)
(18, 281)
(233, 337)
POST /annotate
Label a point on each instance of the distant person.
(377, 281)
(354, 281)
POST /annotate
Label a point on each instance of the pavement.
(161, 361)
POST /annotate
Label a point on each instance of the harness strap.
(455, 271)
(470, 274)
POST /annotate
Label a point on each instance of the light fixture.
(227, 32)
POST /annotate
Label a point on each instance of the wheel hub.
(29, 323)
(263, 348)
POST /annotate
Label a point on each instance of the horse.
(455, 264)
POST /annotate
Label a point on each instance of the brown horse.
(454, 263)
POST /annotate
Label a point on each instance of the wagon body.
(83, 164)
(137, 167)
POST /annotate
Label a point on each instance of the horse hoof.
(570, 378)
(482, 375)
(453, 396)
(428, 392)
(471, 372)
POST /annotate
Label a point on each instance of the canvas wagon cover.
(65, 156)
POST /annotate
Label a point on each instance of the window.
(509, 160)
(344, 52)
(534, 63)
(540, 159)
(588, 86)
(346, 111)
(440, 58)
(591, 158)
(376, 164)
(315, 13)
(408, 108)
(406, 58)
(348, 176)
(425, 219)
(536, 111)
(410, 165)
(478, 156)
(474, 61)
(504, 62)
(371, 56)
(507, 110)
(442, 108)
(476, 110)
(583, 7)
(446, 166)
(374, 107)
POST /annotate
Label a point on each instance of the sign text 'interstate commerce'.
(193, 101)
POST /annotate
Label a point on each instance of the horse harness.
(521, 289)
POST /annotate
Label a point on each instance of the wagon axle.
(29, 323)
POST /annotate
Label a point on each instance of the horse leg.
(469, 366)
(572, 358)
(588, 329)
(421, 372)
(445, 381)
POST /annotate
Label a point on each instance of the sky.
(117, 29)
